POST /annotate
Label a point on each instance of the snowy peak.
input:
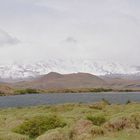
(20, 71)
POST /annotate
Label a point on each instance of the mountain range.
(68, 74)
(21, 71)
(75, 81)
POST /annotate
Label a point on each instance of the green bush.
(128, 102)
(26, 91)
(100, 90)
(97, 120)
(38, 125)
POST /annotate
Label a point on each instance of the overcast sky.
(33, 30)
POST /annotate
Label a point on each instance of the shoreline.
(67, 91)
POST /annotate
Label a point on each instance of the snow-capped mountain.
(22, 70)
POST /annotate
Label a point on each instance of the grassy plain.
(98, 121)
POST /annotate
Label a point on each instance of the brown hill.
(5, 89)
(119, 82)
(62, 81)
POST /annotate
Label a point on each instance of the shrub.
(38, 125)
(97, 120)
(128, 102)
(106, 102)
(55, 134)
(96, 106)
(100, 90)
(96, 131)
(80, 129)
(120, 123)
(26, 91)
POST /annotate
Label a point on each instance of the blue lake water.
(60, 98)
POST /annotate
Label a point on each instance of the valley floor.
(99, 121)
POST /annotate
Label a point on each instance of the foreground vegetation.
(99, 121)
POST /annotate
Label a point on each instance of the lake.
(60, 98)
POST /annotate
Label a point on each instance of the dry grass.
(122, 122)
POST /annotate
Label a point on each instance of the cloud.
(71, 40)
(6, 39)
(99, 29)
